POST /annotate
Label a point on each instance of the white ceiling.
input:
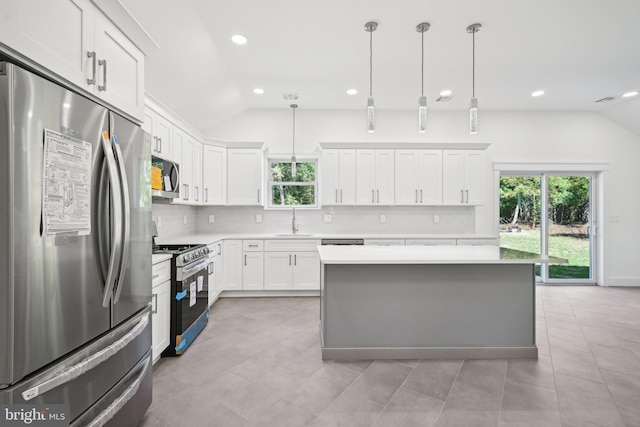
(577, 51)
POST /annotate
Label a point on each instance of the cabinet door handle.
(159, 145)
(253, 245)
(467, 196)
(373, 197)
(206, 195)
(92, 80)
(416, 196)
(420, 196)
(258, 195)
(295, 259)
(155, 276)
(336, 195)
(186, 191)
(289, 259)
(378, 195)
(461, 196)
(197, 193)
(155, 304)
(245, 259)
(103, 88)
(341, 195)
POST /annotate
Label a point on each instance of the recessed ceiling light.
(630, 94)
(238, 39)
(537, 93)
(446, 93)
(352, 91)
(258, 91)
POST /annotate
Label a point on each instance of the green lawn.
(575, 249)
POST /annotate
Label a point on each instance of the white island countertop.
(441, 254)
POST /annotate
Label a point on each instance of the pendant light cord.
(473, 65)
(371, 63)
(422, 66)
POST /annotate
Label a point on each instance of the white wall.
(545, 137)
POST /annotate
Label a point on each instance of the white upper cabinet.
(120, 79)
(214, 175)
(197, 172)
(375, 176)
(73, 39)
(244, 176)
(463, 177)
(161, 131)
(339, 177)
(418, 177)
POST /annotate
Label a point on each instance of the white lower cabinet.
(161, 308)
(232, 265)
(291, 265)
(215, 275)
(384, 242)
(253, 271)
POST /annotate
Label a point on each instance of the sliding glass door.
(550, 214)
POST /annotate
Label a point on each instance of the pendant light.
(422, 101)
(473, 106)
(370, 27)
(293, 143)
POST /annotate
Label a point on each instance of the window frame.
(269, 183)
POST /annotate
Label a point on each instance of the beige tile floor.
(258, 364)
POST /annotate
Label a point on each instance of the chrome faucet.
(294, 226)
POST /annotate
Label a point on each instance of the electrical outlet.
(258, 218)
(212, 219)
(184, 220)
(328, 218)
(383, 218)
(159, 222)
(436, 219)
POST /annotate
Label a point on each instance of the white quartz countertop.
(206, 238)
(445, 254)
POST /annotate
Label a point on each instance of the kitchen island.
(428, 302)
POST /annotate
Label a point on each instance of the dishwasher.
(343, 242)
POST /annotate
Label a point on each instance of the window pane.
(281, 172)
(293, 195)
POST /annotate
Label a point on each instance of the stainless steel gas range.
(189, 294)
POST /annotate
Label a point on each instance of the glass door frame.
(597, 172)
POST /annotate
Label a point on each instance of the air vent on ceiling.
(606, 99)
(290, 96)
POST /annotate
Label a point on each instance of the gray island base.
(444, 302)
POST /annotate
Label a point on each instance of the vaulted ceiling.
(577, 51)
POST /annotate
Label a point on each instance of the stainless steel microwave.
(165, 178)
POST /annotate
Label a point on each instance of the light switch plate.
(158, 222)
(184, 220)
(436, 219)
(212, 219)
(383, 218)
(258, 218)
(328, 218)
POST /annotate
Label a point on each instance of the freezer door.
(86, 376)
(51, 286)
(133, 154)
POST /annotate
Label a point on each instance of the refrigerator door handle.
(116, 243)
(126, 214)
(119, 402)
(74, 371)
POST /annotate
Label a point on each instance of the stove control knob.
(184, 258)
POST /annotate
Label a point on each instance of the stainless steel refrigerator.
(75, 253)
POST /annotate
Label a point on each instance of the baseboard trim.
(375, 353)
(254, 294)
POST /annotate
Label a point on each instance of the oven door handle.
(191, 270)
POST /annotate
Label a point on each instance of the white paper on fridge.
(200, 283)
(66, 186)
(192, 294)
